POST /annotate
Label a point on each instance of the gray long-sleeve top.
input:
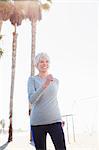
(44, 102)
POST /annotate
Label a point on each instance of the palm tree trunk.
(33, 41)
(1, 22)
(1, 52)
(12, 83)
(33, 28)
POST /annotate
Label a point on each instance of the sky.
(68, 32)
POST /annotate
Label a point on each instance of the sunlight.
(68, 33)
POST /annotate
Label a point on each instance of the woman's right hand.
(49, 79)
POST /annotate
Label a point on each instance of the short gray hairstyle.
(40, 56)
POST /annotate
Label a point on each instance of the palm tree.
(12, 83)
(16, 19)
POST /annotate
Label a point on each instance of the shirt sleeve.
(34, 95)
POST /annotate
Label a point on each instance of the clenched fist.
(49, 79)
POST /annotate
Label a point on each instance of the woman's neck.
(43, 74)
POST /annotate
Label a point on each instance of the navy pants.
(55, 131)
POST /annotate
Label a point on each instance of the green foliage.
(1, 52)
(4, 0)
(49, 1)
(0, 37)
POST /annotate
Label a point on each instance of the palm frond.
(1, 52)
(49, 1)
(4, 0)
(45, 6)
(0, 37)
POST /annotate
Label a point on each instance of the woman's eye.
(41, 62)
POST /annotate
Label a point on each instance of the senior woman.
(45, 116)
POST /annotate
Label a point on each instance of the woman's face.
(43, 65)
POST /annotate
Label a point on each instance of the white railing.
(83, 119)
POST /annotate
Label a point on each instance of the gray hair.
(40, 56)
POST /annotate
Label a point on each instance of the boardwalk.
(21, 142)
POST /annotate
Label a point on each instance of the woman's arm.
(34, 95)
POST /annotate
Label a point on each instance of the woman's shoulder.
(32, 78)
